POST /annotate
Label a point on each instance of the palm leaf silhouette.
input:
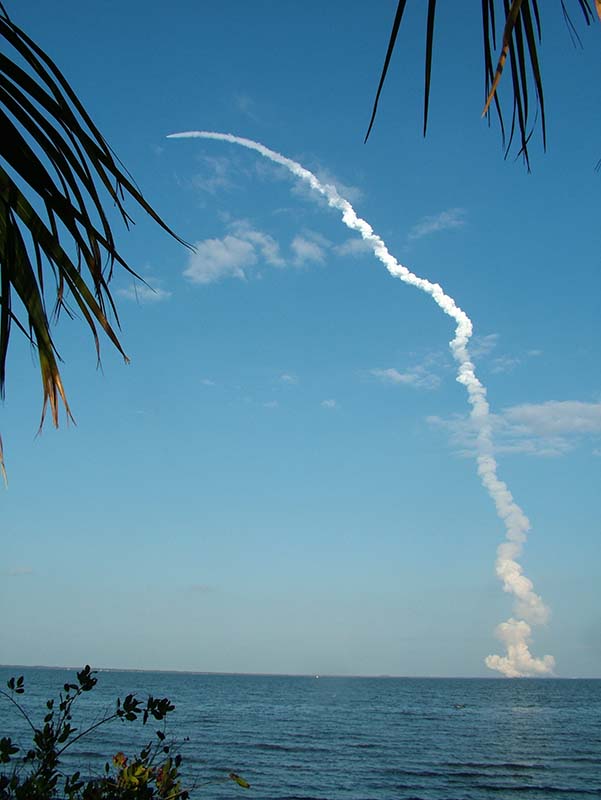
(57, 177)
(519, 45)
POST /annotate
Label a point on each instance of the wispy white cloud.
(265, 244)
(354, 246)
(312, 246)
(481, 346)
(330, 404)
(419, 377)
(215, 259)
(208, 382)
(145, 294)
(271, 404)
(216, 175)
(245, 104)
(233, 256)
(557, 417)
(244, 250)
(289, 377)
(307, 250)
(552, 428)
(503, 364)
(446, 220)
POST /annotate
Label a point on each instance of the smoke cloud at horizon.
(515, 634)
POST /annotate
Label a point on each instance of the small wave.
(79, 754)
(493, 765)
(545, 789)
(399, 787)
(302, 797)
(288, 748)
(417, 773)
(578, 759)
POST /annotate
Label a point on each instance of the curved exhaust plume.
(515, 634)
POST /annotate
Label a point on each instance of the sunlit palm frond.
(519, 46)
(57, 177)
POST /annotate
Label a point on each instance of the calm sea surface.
(326, 738)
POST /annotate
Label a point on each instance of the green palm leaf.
(56, 176)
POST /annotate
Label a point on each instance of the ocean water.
(327, 738)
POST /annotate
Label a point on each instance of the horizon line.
(315, 675)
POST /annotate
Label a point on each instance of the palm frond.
(57, 178)
(393, 34)
(429, 48)
(519, 45)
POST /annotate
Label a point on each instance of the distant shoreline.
(319, 676)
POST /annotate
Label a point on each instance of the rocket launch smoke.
(529, 607)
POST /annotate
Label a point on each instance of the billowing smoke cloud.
(515, 634)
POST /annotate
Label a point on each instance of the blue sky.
(283, 479)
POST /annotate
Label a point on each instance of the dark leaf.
(393, 34)
(519, 46)
(429, 48)
(54, 153)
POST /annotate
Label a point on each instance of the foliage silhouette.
(57, 178)
(520, 40)
(38, 775)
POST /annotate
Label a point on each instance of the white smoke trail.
(514, 633)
